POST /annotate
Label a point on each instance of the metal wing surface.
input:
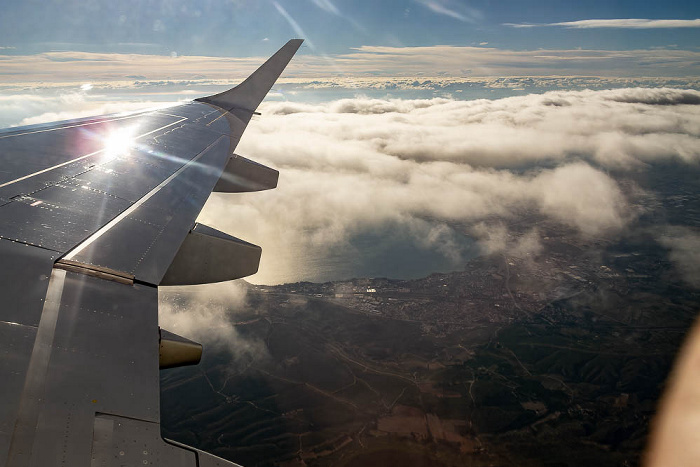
(95, 214)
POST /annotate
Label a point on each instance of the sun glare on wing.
(120, 141)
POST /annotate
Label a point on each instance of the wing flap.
(113, 439)
(16, 342)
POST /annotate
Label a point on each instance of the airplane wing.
(95, 214)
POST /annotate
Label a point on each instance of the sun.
(120, 141)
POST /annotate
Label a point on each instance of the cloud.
(365, 61)
(294, 25)
(491, 61)
(684, 246)
(495, 238)
(656, 96)
(627, 23)
(431, 170)
(207, 314)
(290, 88)
(582, 197)
(611, 128)
(75, 66)
(327, 6)
(453, 10)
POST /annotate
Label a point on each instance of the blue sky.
(239, 27)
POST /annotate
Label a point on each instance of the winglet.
(253, 90)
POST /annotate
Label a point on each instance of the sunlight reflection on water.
(394, 256)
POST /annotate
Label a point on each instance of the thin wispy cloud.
(327, 5)
(626, 23)
(292, 22)
(446, 8)
(445, 61)
(300, 32)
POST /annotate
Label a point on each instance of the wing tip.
(253, 89)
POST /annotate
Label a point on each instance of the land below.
(554, 357)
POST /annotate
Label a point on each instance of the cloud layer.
(624, 23)
(364, 61)
(435, 170)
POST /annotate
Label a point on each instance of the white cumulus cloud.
(435, 169)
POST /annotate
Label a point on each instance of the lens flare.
(120, 141)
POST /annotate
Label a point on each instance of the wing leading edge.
(88, 231)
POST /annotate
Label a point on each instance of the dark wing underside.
(95, 214)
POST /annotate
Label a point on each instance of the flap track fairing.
(177, 351)
(242, 175)
(208, 255)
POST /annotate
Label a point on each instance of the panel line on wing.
(88, 155)
(226, 113)
(100, 272)
(223, 114)
(71, 254)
